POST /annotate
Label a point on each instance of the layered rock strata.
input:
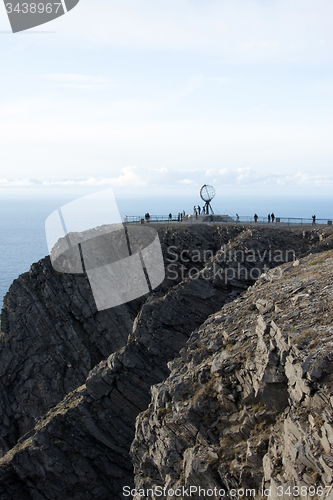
(52, 335)
(79, 449)
(249, 403)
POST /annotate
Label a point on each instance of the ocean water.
(22, 229)
(22, 221)
(22, 239)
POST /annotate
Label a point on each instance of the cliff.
(249, 402)
(250, 380)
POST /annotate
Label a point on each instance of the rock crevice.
(80, 386)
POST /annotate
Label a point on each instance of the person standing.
(255, 218)
(237, 217)
(170, 216)
(269, 218)
(272, 216)
(313, 220)
(199, 209)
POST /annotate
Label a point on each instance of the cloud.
(16, 183)
(74, 77)
(187, 181)
(221, 80)
(20, 108)
(247, 176)
(78, 81)
(162, 169)
(128, 178)
(101, 138)
(92, 86)
(303, 179)
(250, 45)
(134, 178)
(236, 29)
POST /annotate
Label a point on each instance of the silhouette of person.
(269, 218)
(255, 217)
(199, 209)
(313, 220)
(272, 216)
(237, 217)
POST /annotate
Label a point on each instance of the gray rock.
(79, 386)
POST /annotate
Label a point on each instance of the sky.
(160, 97)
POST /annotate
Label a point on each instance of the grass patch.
(305, 337)
(258, 407)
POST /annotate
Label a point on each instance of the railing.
(285, 220)
(152, 218)
(242, 219)
(162, 218)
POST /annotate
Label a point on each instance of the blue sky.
(162, 97)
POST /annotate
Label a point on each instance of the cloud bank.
(134, 178)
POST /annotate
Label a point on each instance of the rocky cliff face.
(52, 335)
(249, 403)
(77, 379)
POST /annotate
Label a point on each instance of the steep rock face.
(96, 421)
(249, 403)
(114, 393)
(52, 335)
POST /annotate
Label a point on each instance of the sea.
(22, 221)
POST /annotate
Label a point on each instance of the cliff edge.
(75, 381)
